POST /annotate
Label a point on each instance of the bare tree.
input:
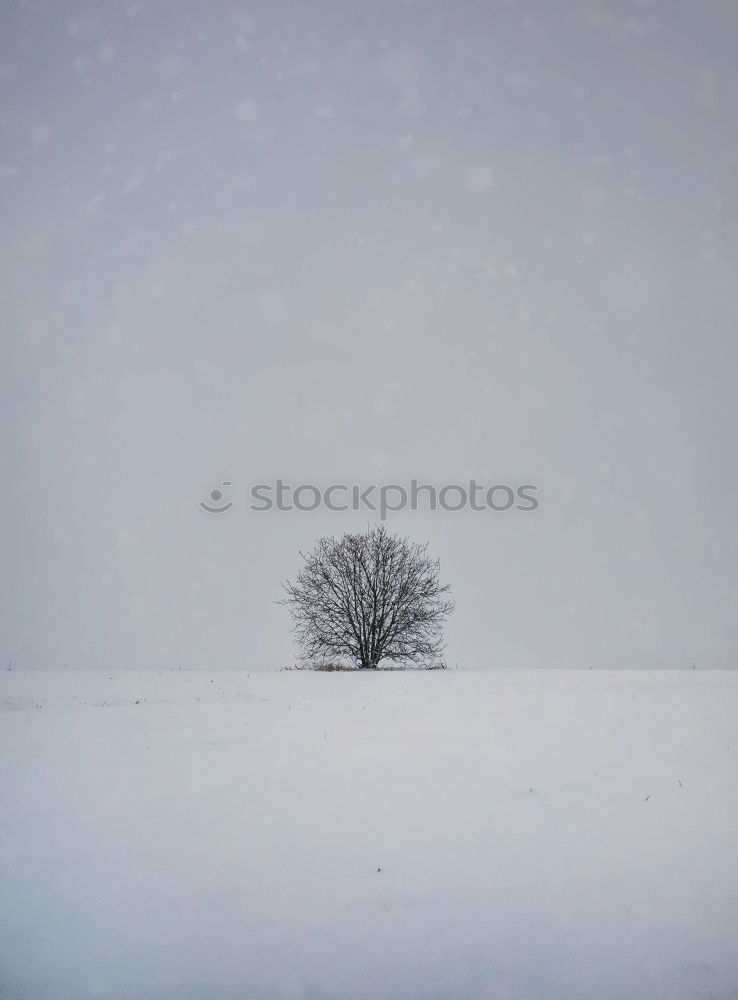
(369, 597)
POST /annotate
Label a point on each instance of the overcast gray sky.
(361, 242)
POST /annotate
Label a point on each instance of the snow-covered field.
(475, 834)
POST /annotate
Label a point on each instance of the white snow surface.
(511, 835)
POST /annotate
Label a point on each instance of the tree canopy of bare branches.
(369, 597)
